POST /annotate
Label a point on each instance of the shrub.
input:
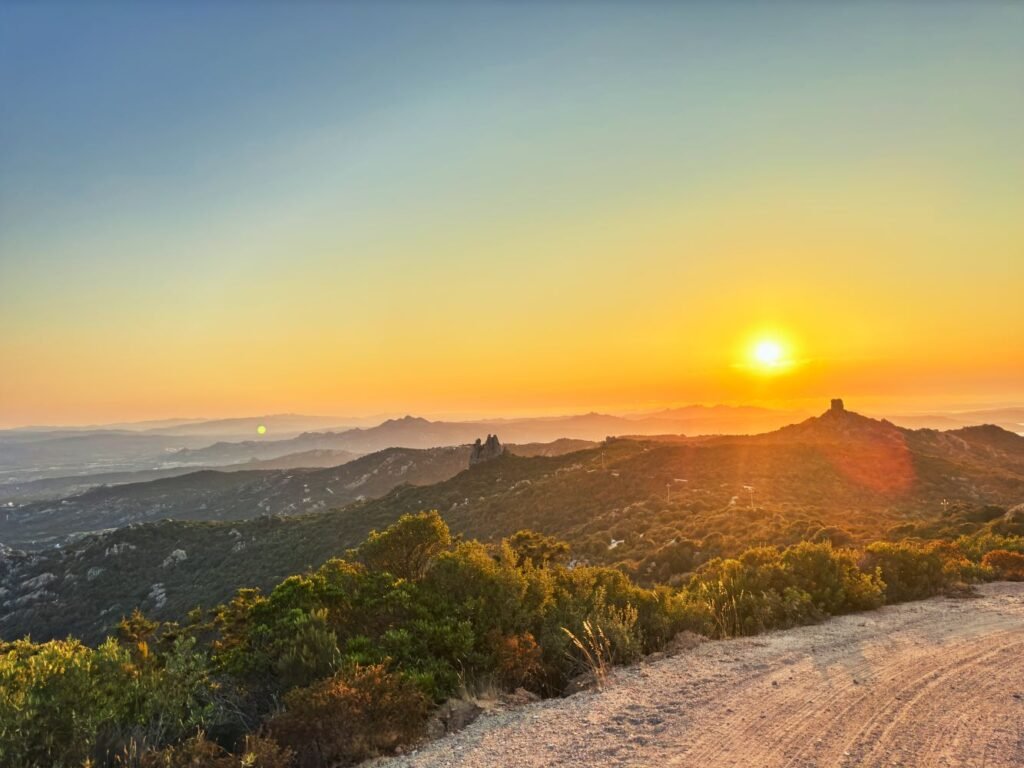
(957, 568)
(539, 549)
(406, 548)
(910, 571)
(748, 595)
(358, 650)
(1005, 565)
(724, 605)
(601, 596)
(517, 660)
(832, 579)
(977, 546)
(352, 716)
(62, 703)
(309, 653)
(54, 698)
(200, 752)
(765, 589)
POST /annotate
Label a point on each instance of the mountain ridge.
(655, 508)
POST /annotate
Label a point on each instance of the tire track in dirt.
(936, 683)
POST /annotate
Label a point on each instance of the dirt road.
(935, 683)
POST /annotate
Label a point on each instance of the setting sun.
(769, 355)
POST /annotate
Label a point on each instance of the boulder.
(452, 716)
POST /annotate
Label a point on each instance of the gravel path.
(934, 683)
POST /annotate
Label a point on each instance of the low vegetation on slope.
(349, 660)
(654, 509)
(209, 495)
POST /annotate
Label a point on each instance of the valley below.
(936, 683)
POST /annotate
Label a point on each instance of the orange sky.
(611, 221)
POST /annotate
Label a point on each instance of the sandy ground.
(934, 683)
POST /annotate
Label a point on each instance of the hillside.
(51, 488)
(227, 495)
(34, 514)
(656, 508)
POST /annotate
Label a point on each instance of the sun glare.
(768, 352)
(769, 356)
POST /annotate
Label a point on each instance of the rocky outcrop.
(485, 451)
(157, 595)
(175, 557)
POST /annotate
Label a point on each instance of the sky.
(226, 208)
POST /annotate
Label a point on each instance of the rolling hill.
(52, 488)
(227, 495)
(655, 507)
(415, 432)
(38, 453)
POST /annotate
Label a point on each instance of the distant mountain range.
(1011, 419)
(33, 454)
(16, 493)
(234, 495)
(414, 432)
(40, 453)
(288, 485)
(649, 504)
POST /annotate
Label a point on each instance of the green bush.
(977, 546)
(62, 703)
(408, 547)
(358, 651)
(831, 578)
(766, 589)
(910, 571)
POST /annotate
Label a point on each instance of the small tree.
(406, 548)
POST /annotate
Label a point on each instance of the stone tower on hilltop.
(837, 405)
(485, 451)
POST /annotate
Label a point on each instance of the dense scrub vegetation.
(348, 660)
(655, 509)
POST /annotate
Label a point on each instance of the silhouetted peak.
(406, 421)
(837, 423)
(486, 450)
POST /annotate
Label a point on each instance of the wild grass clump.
(594, 651)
